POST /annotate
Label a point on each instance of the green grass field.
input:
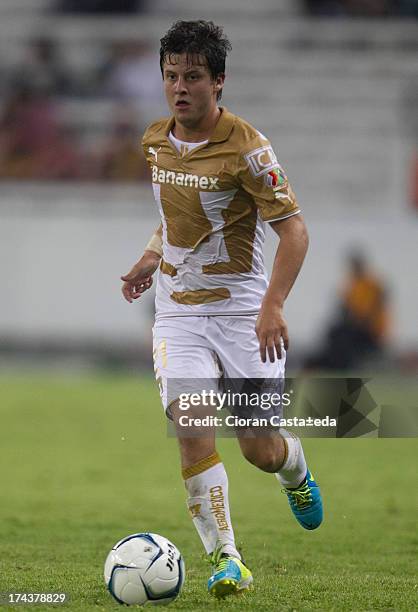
(87, 461)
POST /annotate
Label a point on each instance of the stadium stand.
(323, 85)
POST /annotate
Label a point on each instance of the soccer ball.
(144, 568)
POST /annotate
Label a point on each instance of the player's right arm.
(139, 278)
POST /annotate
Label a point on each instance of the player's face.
(190, 90)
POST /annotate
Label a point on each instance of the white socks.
(293, 470)
(207, 485)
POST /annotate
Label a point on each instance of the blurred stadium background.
(333, 83)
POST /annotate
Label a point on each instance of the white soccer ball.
(144, 568)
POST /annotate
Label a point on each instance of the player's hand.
(139, 279)
(271, 330)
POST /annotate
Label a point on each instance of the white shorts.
(197, 348)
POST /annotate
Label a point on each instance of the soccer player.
(217, 183)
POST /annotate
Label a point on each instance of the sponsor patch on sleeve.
(261, 160)
(275, 177)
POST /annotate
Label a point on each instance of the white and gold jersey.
(214, 201)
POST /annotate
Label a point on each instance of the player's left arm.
(271, 327)
(262, 177)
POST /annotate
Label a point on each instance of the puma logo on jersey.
(154, 152)
(184, 149)
(282, 195)
(159, 175)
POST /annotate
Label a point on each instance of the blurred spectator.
(414, 182)
(410, 128)
(122, 158)
(132, 73)
(43, 68)
(99, 6)
(360, 328)
(405, 8)
(367, 8)
(63, 161)
(361, 8)
(32, 145)
(324, 8)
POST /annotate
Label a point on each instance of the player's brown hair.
(197, 38)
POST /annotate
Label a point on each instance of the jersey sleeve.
(261, 176)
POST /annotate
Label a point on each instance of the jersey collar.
(222, 129)
(224, 126)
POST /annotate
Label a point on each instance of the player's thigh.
(254, 389)
(236, 343)
(184, 362)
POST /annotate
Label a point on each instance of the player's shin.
(293, 470)
(207, 485)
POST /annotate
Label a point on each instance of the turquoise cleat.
(230, 576)
(306, 502)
